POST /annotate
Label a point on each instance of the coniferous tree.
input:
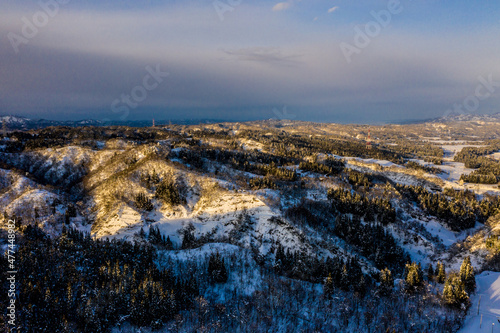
(345, 282)
(357, 279)
(430, 273)
(216, 268)
(386, 281)
(279, 259)
(154, 236)
(413, 278)
(467, 275)
(454, 293)
(168, 193)
(143, 203)
(106, 280)
(360, 287)
(328, 286)
(441, 273)
(142, 233)
(420, 272)
(188, 241)
(168, 244)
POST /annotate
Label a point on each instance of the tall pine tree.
(413, 277)
(467, 275)
(454, 293)
(386, 281)
(216, 268)
(440, 272)
(328, 286)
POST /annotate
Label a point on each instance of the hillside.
(310, 214)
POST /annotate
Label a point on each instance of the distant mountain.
(12, 122)
(453, 117)
(22, 123)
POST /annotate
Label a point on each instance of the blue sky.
(91, 60)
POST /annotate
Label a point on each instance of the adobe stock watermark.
(284, 114)
(484, 90)
(139, 93)
(363, 37)
(222, 7)
(11, 273)
(30, 29)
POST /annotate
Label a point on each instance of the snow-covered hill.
(22, 198)
(452, 117)
(263, 195)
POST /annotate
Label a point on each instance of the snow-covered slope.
(24, 199)
(59, 166)
(487, 300)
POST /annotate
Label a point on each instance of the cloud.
(84, 59)
(331, 10)
(281, 6)
(267, 55)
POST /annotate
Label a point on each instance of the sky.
(346, 61)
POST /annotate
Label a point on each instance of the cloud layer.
(241, 67)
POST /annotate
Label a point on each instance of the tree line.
(460, 210)
(370, 209)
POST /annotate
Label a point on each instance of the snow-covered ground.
(244, 277)
(122, 224)
(383, 163)
(219, 215)
(451, 149)
(451, 176)
(251, 144)
(219, 218)
(495, 156)
(447, 236)
(488, 293)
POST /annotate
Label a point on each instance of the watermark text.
(30, 29)
(11, 273)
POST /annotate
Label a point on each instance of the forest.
(75, 283)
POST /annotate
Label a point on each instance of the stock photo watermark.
(30, 29)
(11, 273)
(283, 114)
(363, 37)
(484, 90)
(222, 7)
(139, 93)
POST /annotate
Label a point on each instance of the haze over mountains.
(17, 122)
(13, 122)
